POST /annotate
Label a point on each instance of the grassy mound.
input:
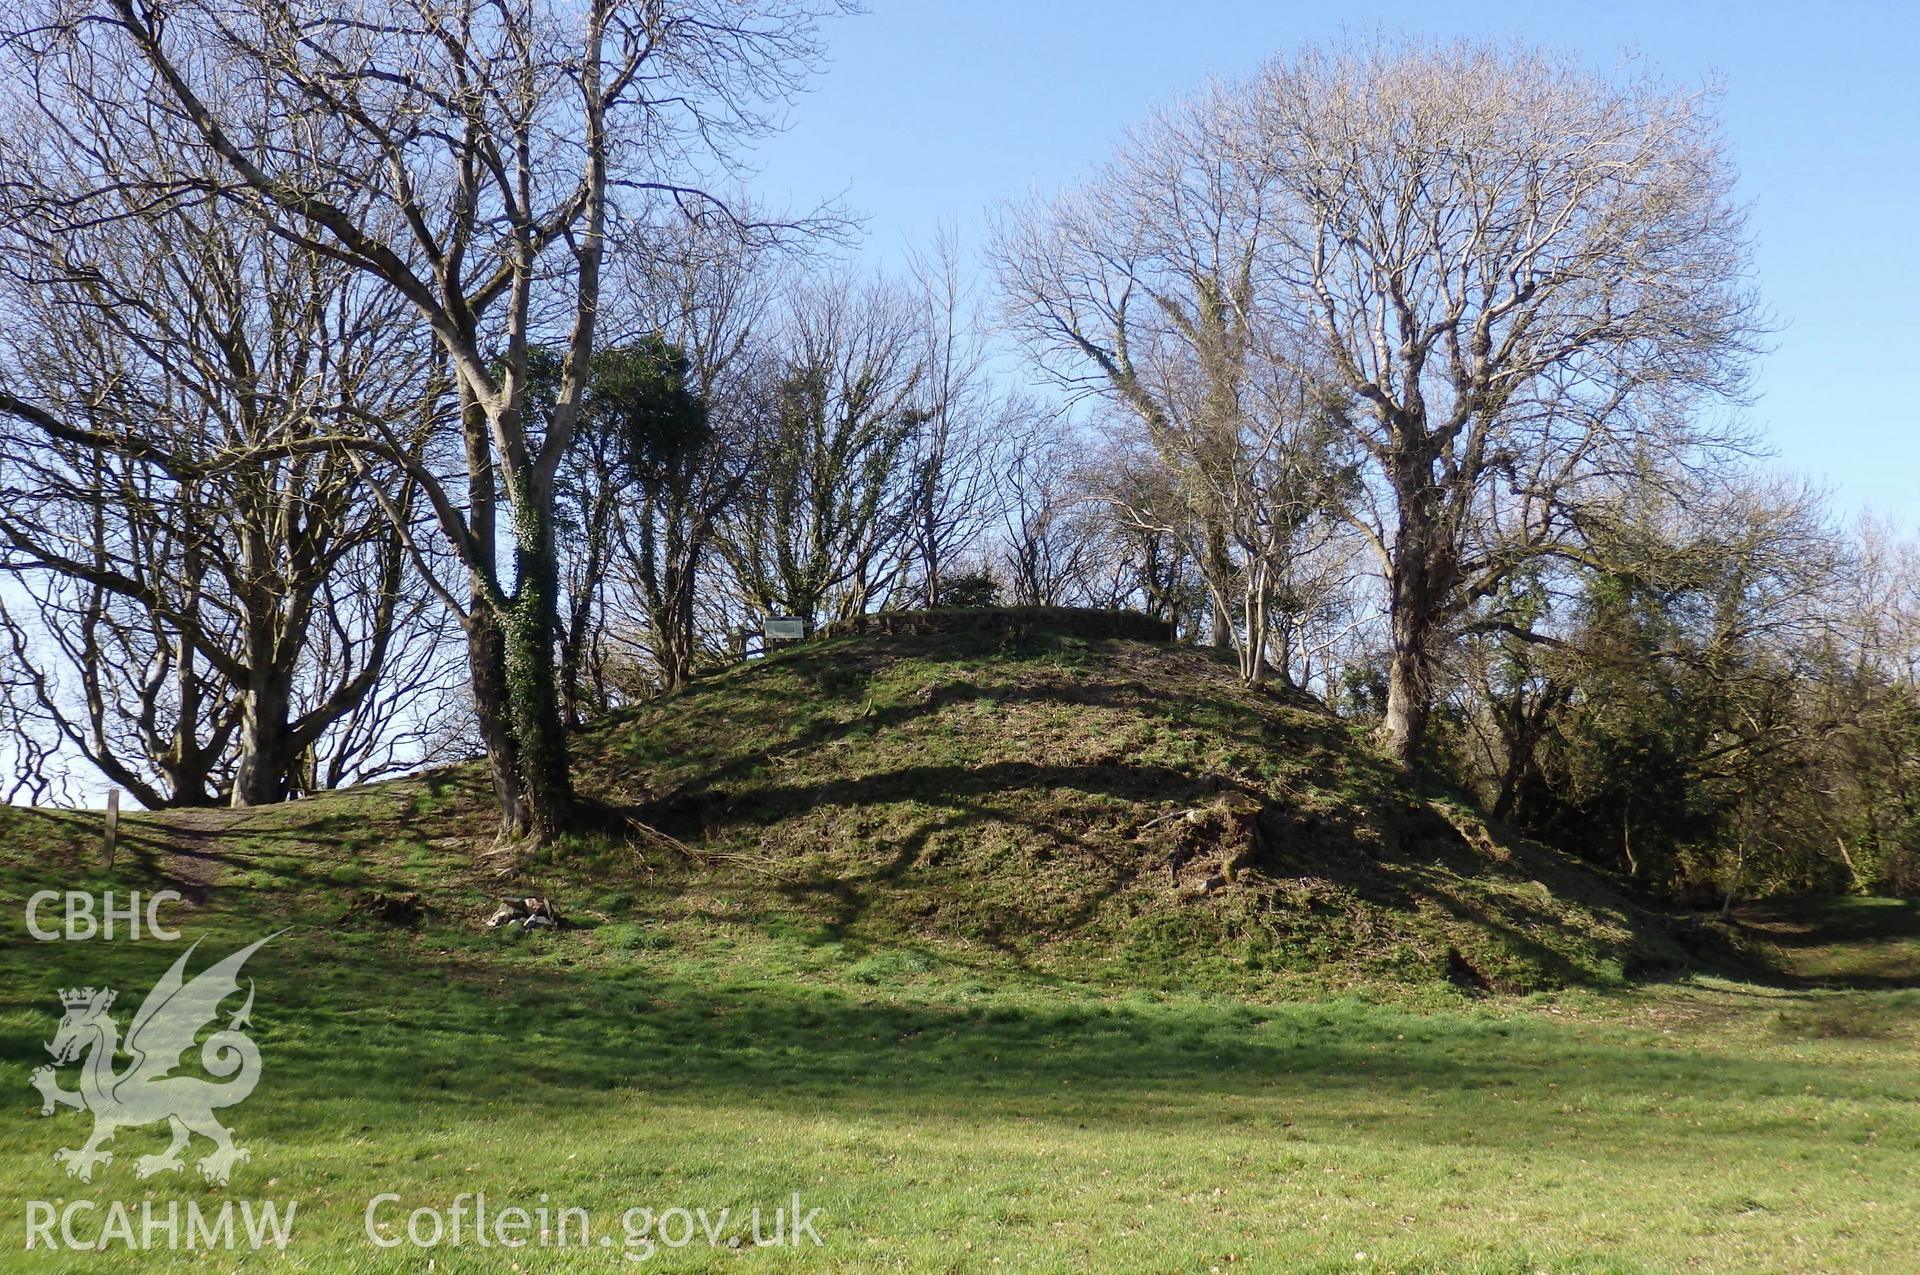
(1106, 809)
(1003, 798)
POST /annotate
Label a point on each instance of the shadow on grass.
(401, 1027)
(1821, 922)
(1839, 943)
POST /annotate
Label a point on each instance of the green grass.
(954, 1005)
(942, 1116)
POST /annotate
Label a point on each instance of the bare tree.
(1528, 277)
(1137, 561)
(1871, 794)
(1143, 289)
(31, 742)
(468, 157)
(962, 449)
(819, 533)
(677, 476)
(1045, 550)
(111, 559)
(161, 375)
(699, 292)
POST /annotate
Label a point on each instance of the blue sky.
(932, 111)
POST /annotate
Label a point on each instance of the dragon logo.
(172, 1015)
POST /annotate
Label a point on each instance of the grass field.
(949, 1118)
(929, 946)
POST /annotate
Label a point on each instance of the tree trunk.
(1407, 708)
(1525, 727)
(1253, 611)
(578, 684)
(680, 638)
(1219, 565)
(486, 636)
(260, 778)
(1410, 621)
(533, 688)
(1423, 563)
(487, 672)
